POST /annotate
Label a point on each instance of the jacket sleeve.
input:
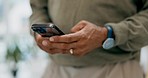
(39, 11)
(131, 34)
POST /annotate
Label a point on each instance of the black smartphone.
(46, 30)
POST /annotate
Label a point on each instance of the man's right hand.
(49, 47)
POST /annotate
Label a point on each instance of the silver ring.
(71, 51)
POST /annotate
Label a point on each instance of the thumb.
(79, 26)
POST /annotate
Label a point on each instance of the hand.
(84, 38)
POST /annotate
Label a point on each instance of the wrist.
(105, 31)
(109, 42)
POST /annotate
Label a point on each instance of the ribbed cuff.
(120, 31)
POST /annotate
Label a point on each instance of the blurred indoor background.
(19, 58)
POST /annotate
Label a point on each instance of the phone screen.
(46, 30)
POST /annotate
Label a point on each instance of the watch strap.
(109, 42)
(110, 31)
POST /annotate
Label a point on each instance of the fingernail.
(51, 39)
(44, 43)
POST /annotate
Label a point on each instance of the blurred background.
(19, 57)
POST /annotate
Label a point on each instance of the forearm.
(39, 11)
(131, 34)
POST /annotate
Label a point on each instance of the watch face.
(109, 43)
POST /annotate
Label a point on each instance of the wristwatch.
(110, 41)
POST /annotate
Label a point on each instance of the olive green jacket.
(128, 18)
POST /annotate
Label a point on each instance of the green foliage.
(14, 54)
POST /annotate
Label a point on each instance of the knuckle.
(69, 38)
(83, 51)
(83, 21)
(39, 40)
(78, 52)
(63, 51)
(51, 51)
(54, 39)
(50, 45)
(64, 46)
(82, 45)
(84, 36)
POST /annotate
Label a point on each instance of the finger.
(79, 52)
(79, 26)
(62, 45)
(52, 50)
(39, 38)
(74, 52)
(55, 51)
(68, 38)
(40, 43)
(47, 44)
(44, 48)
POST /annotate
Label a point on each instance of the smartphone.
(46, 30)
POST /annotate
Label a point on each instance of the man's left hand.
(84, 38)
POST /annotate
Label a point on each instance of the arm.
(40, 15)
(131, 34)
(39, 11)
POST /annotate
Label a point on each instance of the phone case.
(46, 30)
